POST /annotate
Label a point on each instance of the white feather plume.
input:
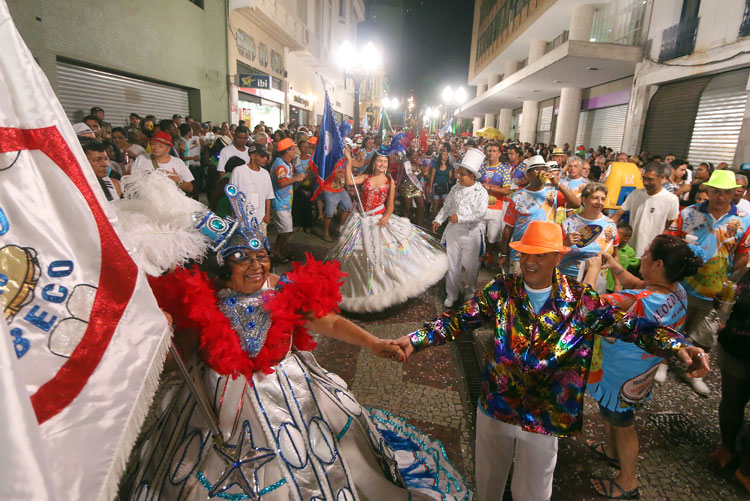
(159, 220)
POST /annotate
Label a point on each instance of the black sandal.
(609, 493)
(600, 450)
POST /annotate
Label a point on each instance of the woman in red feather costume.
(289, 428)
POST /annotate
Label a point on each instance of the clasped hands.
(396, 349)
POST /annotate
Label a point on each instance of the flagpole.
(354, 183)
(205, 410)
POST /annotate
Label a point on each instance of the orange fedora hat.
(541, 237)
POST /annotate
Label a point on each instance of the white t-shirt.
(174, 166)
(744, 205)
(231, 151)
(257, 187)
(135, 151)
(649, 215)
(194, 145)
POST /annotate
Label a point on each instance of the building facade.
(149, 57)
(613, 73)
(294, 42)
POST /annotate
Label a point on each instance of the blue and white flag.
(329, 151)
(448, 127)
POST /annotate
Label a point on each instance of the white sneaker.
(661, 373)
(699, 386)
(448, 302)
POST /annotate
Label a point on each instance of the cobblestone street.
(677, 429)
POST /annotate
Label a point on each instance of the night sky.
(435, 53)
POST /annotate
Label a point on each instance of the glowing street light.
(448, 94)
(357, 65)
(460, 95)
(457, 96)
(391, 103)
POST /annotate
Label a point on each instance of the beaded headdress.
(233, 235)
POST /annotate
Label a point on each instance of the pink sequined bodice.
(373, 197)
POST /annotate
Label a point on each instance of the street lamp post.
(357, 79)
(358, 65)
(390, 103)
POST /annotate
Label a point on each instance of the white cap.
(81, 128)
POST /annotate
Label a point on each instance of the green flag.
(385, 125)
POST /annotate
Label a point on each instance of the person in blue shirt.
(589, 233)
(283, 179)
(621, 374)
(536, 202)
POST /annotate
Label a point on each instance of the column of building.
(537, 48)
(492, 80)
(505, 119)
(581, 21)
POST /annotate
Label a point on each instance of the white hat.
(535, 161)
(551, 165)
(472, 160)
(81, 128)
(348, 141)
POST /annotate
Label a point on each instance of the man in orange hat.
(533, 383)
(283, 178)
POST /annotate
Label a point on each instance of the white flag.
(86, 333)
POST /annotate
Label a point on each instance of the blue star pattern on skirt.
(242, 464)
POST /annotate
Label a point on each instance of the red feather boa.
(190, 297)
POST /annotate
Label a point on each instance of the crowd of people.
(597, 292)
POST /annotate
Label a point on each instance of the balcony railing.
(745, 26)
(679, 40)
(557, 42)
(507, 16)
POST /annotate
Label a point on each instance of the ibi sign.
(255, 81)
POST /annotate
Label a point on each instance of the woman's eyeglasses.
(248, 260)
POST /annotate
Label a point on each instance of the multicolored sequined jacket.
(538, 373)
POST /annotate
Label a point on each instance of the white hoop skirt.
(296, 434)
(386, 265)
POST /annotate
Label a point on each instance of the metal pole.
(205, 409)
(357, 82)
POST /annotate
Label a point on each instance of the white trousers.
(497, 445)
(495, 223)
(463, 244)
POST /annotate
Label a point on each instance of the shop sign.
(255, 81)
(300, 100)
(274, 95)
